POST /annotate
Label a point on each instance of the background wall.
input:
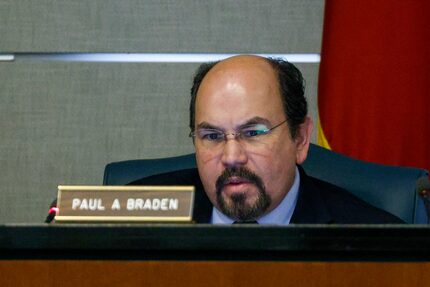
(62, 122)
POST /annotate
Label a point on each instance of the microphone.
(53, 209)
(423, 189)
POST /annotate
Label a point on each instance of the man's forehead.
(237, 90)
(242, 65)
(251, 73)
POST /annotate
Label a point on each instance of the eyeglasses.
(250, 134)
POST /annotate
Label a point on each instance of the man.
(249, 124)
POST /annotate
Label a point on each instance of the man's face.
(246, 178)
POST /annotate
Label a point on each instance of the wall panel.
(275, 26)
(62, 122)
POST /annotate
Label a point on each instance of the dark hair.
(291, 85)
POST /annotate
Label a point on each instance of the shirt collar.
(281, 215)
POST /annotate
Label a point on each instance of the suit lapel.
(310, 207)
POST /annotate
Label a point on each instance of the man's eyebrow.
(252, 121)
(255, 121)
(208, 126)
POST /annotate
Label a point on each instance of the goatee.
(238, 208)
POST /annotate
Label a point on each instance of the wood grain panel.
(212, 273)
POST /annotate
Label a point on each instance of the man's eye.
(212, 136)
(249, 133)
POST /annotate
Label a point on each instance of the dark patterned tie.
(246, 222)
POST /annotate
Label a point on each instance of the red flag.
(374, 83)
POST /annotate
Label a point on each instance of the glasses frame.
(235, 135)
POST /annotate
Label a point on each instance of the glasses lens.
(254, 132)
(209, 137)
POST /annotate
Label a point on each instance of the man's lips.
(236, 180)
(236, 184)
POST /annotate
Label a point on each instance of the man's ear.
(303, 140)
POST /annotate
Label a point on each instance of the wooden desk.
(206, 255)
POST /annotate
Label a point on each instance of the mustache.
(241, 172)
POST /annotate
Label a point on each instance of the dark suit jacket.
(318, 202)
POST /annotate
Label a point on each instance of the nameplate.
(124, 203)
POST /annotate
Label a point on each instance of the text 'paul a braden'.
(131, 204)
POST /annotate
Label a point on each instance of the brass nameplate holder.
(125, 203)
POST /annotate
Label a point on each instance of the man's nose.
(233, 154)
